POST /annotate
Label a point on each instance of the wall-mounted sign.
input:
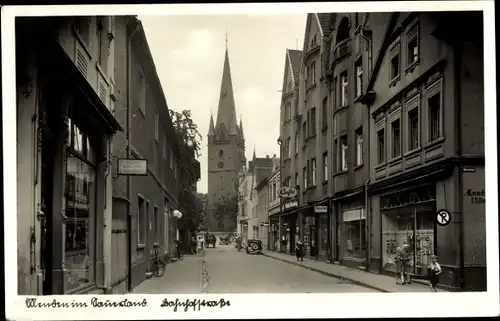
(321, 209)
(291, 204)
(287, 192)
(443, 217)
(475, 196)
(137, 167)
(354, 215)
(468, 170)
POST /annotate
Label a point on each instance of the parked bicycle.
(157, 265)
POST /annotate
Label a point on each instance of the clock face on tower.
(221, 164)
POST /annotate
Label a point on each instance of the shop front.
(289, 226)
(408, 220)
(273, 244)
(323, 232)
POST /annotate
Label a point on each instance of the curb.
(351, 280)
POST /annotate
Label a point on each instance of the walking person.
(434, 272)
(399, 260)
(406, 252)
(299, 250)
(193, 245)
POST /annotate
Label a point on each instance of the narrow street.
(225, 270)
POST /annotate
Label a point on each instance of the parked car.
(210, 239)
(254, 246)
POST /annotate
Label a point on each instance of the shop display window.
(354, 241)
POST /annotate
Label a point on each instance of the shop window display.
(354, 241)
(80, 203)
(323, 235)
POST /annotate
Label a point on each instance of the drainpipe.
(129, 154)
(367, 224)
(458, 98)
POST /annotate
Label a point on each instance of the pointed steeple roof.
(211, 128)
(241, 129)
(226, 113)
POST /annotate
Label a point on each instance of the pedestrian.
(406, 250)
(299, 250)
(193, 245)
(399, 260)
(434, 272)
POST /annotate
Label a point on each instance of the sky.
(188, 52)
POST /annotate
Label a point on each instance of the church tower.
(226, 148)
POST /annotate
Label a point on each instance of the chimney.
(267, 156)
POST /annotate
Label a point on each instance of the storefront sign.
(475, 196)
(354, 215)
(321, 209)
(443, 217)
(287, 192)
(291, 204)
(133, 167)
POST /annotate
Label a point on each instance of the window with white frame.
(434, 111)
(343, 152)
(343, 89)
(296, 143)
(289, 146)
(312, 123)
(359, 146)
(412, 45)
(313, 73)
(381, 145)
(413, 123)
(396, 138)
(157, 126)
(359, 78)
(325, 166)
(288, 111)
(395, 61)
(304, 176)
(313, 171)
(296, 179)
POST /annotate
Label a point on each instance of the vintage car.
(210, 239)
(254, 246)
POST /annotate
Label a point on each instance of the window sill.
(310, 87)
(412, 66)
(324, 128)
(141, 246)
(434, 143)
(324, 182)
(310, 188)
(296, 154)
(412, 152)
(310, 137)
(340, 108)
(379, 166)
(304, 145)
(394, 80)
(357, 167)
(339, 173)
(287, 159)
(394, 160)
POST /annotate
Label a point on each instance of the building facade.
(261, 208)
(274, 207)
(426, 102)
(65, 124)
(226, 147)
(143, 206)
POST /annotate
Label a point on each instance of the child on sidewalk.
(434, 272)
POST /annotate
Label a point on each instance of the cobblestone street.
(225, 270)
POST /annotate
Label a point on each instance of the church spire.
(211, 128)
(226, 113)
(241, 128)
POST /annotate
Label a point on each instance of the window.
(296, 143)
(313, 121)
(157, 126)
(80, 209)
(288, 111)
(166, 216)
(304, 131)
(396, 138)
(335, 155)
(289, 146)
(359, 146)
(359, 78)
(142, 93)
(324, 113)
(336, 89)
(171, 163)
(176, 168)
(313, 171)
(99, 40)
(412, 46)
(313, 73)
(413, 129)
(381, 146)
(141, 221)
(296, 179)
(165, 148)
(343, 152)
(325, 166)
(343, 90)
(434, 109)
(395, 62)
(304, 177)
(156, 223)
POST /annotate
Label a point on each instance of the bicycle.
(157, 265)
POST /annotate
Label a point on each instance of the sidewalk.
(184, 276)
(374, 281)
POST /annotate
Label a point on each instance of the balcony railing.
(341, 50)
